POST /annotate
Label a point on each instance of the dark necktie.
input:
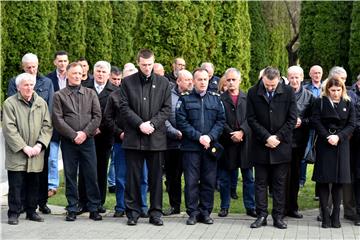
(270, 95)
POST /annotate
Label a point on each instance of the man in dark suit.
(145, 104)
(271, 113)
(103, 136)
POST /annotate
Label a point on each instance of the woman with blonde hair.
(333, 118)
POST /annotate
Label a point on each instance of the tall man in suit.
(271, 113)
(145, 104)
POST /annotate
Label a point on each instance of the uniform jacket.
(265, 118)
(69, 116)
(136, 108)
(196, 116)
(355, 140)
(25, 126)
(332, 162)
(235, 154)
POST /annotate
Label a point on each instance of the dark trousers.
(293, 180)
(22, 185)
(43, 181)
(134, 167)
(324, 193)
(200, 179)
(103, 151)
(357, 195)
(173, 171)
(277, 181)
(80, 157)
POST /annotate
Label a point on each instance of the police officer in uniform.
(200, 117)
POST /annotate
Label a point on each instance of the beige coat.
(24, 125)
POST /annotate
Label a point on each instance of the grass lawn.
(306, 196)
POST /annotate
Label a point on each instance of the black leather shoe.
(171, 211)
(295, 214)
(82, 210)
(223, 212)
(45, 209)
(234, 195)
(260, 221)
(119, 214)
(156, 221)
(34, 217)
(131, 222)
(101, 209)
(206, 220)
(144, 215)
(319, 218)
(13, 220)
(357, 222)
(112, 189)
(251, 213)
(95, 216)
(279, 223)
(191, 220)
(70, 216)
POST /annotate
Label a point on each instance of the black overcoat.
(235, 154)
(266, 118)
(332, 162)
(134, 106)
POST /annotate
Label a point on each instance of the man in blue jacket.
(200, 117)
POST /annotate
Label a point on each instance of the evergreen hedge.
(354, 52)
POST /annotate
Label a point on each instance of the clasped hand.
(205, 141)
(32, 151)
(272, 141)
(146, 128)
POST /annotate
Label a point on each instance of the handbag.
(310, 152)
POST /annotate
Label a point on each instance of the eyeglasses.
(231, 79)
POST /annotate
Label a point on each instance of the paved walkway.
(236, 226)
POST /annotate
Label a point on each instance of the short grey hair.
(336, 71)
(24, 76)
(29, 57)
(184, 73)
(296, 69)
(204, 64)
(235, 70)
(103, 64)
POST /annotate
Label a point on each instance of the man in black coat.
(235, 139)
(271, 112)
(145, 104)
(103, 136)
(178, 65)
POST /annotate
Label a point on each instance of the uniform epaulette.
(184, 93)
(214, 93)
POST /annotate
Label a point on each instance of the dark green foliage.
(3, 46)
(124, 26)
(70, 28)
(354, 53)
(98, 31)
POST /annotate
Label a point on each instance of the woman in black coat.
(333, 118)
(235, 139)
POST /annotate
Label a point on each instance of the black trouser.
(22, 185)
(43, 181)
(173, 170)
(80, 157)
(293, 180)
(103, 150)
(324, 193)
(357, 194)
(134, 165)
(278, 173)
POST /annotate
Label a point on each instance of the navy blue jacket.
(196, 116)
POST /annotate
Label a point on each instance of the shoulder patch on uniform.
(184, 93)
(214, 94)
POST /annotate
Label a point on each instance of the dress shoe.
(260, 221)
(223, 212)
(357, 221)
(206, 220)
(171, 211)
(251, 213)
(144, 215)
(319, 218)
(101, 209)
(131, 222)
(34, 217)
(156, 221)
(192, 220)
(70, 216)
(82, 210)
(119, 214)
(279, 223)
(95, 216)
(112, 189)
(234, 194)
(295, 214)
(44, 209)
(13, 220)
